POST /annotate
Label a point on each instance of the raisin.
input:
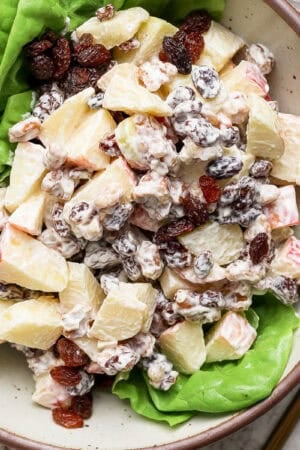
(66, 376)
(230, 136)
(180, 94)
(82, 405)
(195, 210)
(203, 264)
(259, 248)
(79, 78)
(194, 44)
(49, 35)
(175, 255)
(110, 146)
(198, 20)
(177, 54)
(118, 116)
(70, 353)
(105, 13)
(96, 102)
(210, 189)
(131, 268)
(173, 229)
(93, 56)
(285, 289)
(61, 54)
(163, 56)
(36, 48)
(260, 169)
(224, 167)
(246, 194)
(67, 418)
(117, 216)
(206, 80)
(42, 67)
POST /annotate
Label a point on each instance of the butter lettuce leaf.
(230, 385)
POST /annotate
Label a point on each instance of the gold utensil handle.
(285, 425)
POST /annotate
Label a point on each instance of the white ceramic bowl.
(113, 425)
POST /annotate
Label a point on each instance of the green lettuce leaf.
(134, 388)
(231, 385)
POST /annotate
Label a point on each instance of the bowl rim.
(292, 17)
(197, 441)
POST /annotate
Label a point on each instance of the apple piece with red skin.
(284, 210)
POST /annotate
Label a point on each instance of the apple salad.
(152, 194)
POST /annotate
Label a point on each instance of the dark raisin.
(260, 169)
(118, 116)
(61, 53)
(93, 56)
(110, 146)
(246, 193)
(71, 354)
(285, 289)
(49, 35)
(229, 195)
(163, 56)
(42, 67)
(175, 255)
(37, 47)
(67, 418)
(194, 44)
(259, 248)
(210, 189)
(198, 20)
(173, 229)
(131, 268)
(224, 167)
(177, 54)
(195, 210)
(82, 405)
(105, 13)
(203, 264)
(230, 136)
(66, 376)
(206, 80)
(79, 78)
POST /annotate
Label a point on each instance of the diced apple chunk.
(29, 263)
(26, 174)
(124, 93)
(284, 210)
(106, 188)
(224, 241)
(28, 217)
(144, 293)
(170, 283)
(287, 168)
(150, 35)
(120, 317)
(216, 276)
(220, 45)
(49, 393)
(33, 323)
(184, 346)
(77, 130)
(247, 78)
(82, 289)
(263, 138)
(230, 338)
(287, 259)
(120, 28)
